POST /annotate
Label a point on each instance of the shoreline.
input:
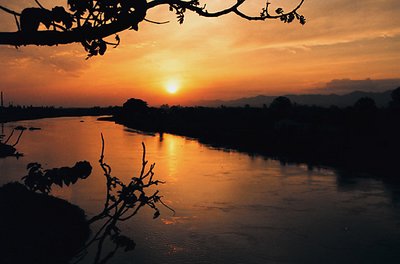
(347, 140)
(251, 146)
(12, 114)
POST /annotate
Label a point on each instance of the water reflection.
(231, 208)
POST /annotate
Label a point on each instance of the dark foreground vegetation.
(38, 228)
(362, 137)
(15, 113)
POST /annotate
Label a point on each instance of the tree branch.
(103, 20)
(51, 37)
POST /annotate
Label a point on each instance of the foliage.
(42, 180)
(90, 21)
(362, 136)
(9, 149)
(396, 95)
(395, 103)
(37, 228)
(122, 198)
(281, 104)
(365, 105)
(135, 105)
(122, 201)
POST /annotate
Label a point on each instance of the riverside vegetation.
(39, 228)
(362, 137)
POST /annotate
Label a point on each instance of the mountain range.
(381, 99)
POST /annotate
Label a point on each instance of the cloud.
(69, 59)
(341, 86)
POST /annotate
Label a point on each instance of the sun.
(172, 86)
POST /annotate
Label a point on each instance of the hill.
(381, 99)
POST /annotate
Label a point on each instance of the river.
(230, 207)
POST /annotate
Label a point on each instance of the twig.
(19, 137)
(39, 4)
(122, 202)
(12, 132)
(156, 22)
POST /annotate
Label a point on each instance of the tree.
(281, 104)
(135, 105)
(365, 105)
(89, 22)
(395, 103)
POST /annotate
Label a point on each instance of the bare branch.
(156, 22)
(122, 202)
(39, 4)
(9, 11)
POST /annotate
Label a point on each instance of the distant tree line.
(362, 137)
(14, 113)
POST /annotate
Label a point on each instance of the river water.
(230, 207)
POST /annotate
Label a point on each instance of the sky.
(344, 46)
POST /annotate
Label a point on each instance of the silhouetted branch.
(19, 137)
(9, 11)
(39, 4)
(9, 137)
(89, 22)
(42, 180)
(122, 202)
(156, 22)
(121, 198)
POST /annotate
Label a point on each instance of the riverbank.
(361, 138)
(38, 228)
(218, 193)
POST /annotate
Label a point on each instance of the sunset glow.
(172, 87)
(213, 131)
(271, 58)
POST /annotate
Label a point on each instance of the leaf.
(83, 169)
(156, 214)
(290, 17)
(302, 20)
(33, 165)
(67, 181)
(131, 199)
(54, 176)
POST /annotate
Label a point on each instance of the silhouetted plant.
(122, 202)
(42, 180)
(9, 149)
(317, 135)
(395, 98)
(38, 228)
(90, 21)
(281, 102)
(135, 105)
(281, 105)
(365, 105)
(18, 128)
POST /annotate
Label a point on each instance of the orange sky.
(212, 58)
